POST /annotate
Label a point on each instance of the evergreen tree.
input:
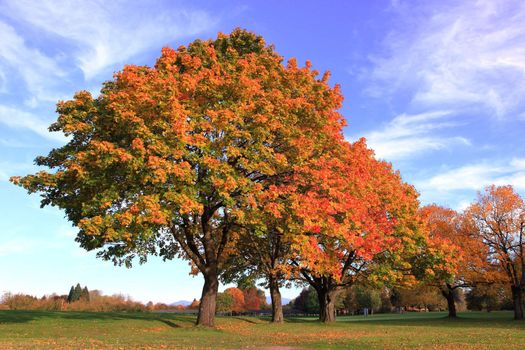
(85, 294)
(77, 292)
(71, 294)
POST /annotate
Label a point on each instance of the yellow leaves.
(124, 218)
(183, 203)
(155, 162)
(152, 211)
(224, 184)
(123, 156)
(91, 226)
(15, 180)
(105, 205)
(211, 162)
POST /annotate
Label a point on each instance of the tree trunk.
(208, 302)
(518, 302)
(277, 307)
(451, 303)
(326, 305)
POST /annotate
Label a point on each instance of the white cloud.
(16, 118)
(39, 72)
(409, 135)
(104, 33)
(467, 56)
(477, 176)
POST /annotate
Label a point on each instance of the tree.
(359, 222)
(470, 266)
(84, 295)
(77, 293)
(307, 301)
(254, 298)
(421, 296)
(194, 305)
(483, 297)
(366, 297)
(238, 299)
(168, 159)
(498, 218)
(71, 295)
(266, 253)
(224, 302)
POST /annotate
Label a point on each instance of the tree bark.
(207, 306)
(326, 305)
(451, 303)
(277, 307)
(517, 298)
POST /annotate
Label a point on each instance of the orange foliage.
(353, 209)
(238, 299)
(253, 299)
(465, 255)
(497, 218)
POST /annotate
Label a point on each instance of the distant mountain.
(284, 301)
(181, 302)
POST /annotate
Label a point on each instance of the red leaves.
(350, 203)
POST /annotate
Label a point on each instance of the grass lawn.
(84, 330)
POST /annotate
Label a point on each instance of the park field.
(85, 330)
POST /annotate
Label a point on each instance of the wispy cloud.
(8, 169)
(468, 55)
(107, 32)
(409, 135)
(39, 72)
(476, 176)
(16, 118)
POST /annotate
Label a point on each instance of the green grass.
(85, 330)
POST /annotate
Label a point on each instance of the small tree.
(84, 294)
(468, 254)
(71, 295)
(307, 301)
(254, 298)
(485, 297)
(498, 216)
(238, 299)
(367, 297)
(194, 305)
(359, 220)
(224, 302)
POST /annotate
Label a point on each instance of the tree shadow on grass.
(465, 320)
(21, 316)
(468, 319)
(173, 320)
(311, 320)
(245, 319)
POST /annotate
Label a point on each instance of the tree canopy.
(169, 159)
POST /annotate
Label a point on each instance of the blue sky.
(437, 87)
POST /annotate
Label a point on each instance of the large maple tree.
(168, 159)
